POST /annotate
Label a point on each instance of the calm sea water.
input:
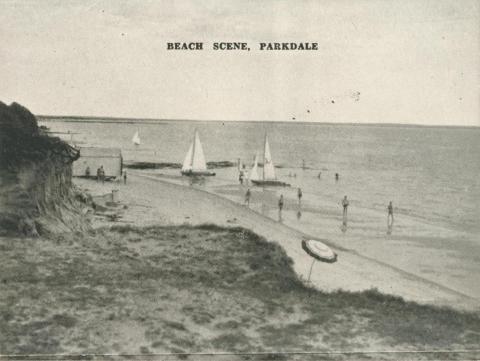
(431, 174)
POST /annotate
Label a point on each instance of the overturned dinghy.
(319, 251)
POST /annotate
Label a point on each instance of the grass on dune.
(191, 289)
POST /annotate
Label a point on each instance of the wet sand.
(152, 201)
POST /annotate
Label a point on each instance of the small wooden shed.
(92, 158)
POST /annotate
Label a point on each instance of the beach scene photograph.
(240, 180)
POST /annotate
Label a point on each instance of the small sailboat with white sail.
(194, 163)
(253, 175)
(136, 139)
(268, 177)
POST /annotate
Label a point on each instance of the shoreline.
(172, 204)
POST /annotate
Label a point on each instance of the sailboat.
(194, 163)
(136, 138)
(269, 178)
(253, 176)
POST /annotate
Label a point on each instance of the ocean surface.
(431, 174)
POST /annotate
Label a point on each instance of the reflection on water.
(264, 209)
(299, 215)
(197, 181)
(389, 229)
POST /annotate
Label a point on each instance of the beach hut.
(92, 158)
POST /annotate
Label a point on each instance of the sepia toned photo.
(239, 180)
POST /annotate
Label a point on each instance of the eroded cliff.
(36, 192)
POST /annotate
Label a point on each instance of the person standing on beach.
(280, 207)
(345, 204)
(299, 194)
(390, 214)
(98, 174)
(87, 172)
(124, 177)
(102, 174)
(337, 177)
(319, 175)
(247, 198)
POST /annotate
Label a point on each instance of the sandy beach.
(152, 201)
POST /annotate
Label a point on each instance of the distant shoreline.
(133, 120)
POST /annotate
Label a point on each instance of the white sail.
(254, 171)
(136, 138)
(187, 163)
(198, 158)
(268, 167)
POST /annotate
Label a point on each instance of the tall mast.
(193, 149)
(264, 159)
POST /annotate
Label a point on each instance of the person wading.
(390, 214)
(247, 197)
(299, 194)
(280, 207)
(345, 204)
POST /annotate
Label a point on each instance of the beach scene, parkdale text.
(254, 215)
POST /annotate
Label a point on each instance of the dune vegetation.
(186, 289)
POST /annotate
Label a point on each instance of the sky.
(379, 61)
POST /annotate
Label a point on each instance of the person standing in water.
(299, 194)
(337, 177)
(390, 214)
(124, 177)
(247, 197)
(280, 207)
(345, 204)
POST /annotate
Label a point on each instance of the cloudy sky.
(382, 61)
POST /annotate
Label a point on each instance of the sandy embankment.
(155, 202)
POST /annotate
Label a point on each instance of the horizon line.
(86, 118)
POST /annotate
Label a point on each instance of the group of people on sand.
(101, 174)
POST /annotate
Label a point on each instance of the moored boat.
(194, 163)
(269, 177)
(136, 138)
